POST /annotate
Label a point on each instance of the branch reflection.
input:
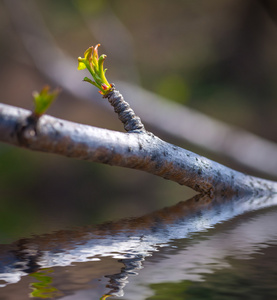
(116, 250)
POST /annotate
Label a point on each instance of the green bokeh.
(173, 87)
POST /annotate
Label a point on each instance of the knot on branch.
(27, 129)
(131, 122)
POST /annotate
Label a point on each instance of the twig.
(131, 122)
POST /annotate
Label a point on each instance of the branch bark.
(142, 151)
(126, 115)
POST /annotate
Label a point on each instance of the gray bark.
(131, 122)
(141, 151)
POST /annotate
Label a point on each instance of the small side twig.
(94, 64)
(131, 122)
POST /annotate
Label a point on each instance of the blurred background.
(215, 57)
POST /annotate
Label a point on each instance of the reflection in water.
(130, 242)
(43, 288)
(250, 239)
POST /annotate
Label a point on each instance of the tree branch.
(220, 138)
(140, 151)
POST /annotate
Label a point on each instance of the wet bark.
(137, 150)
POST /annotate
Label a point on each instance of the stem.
(131, 122)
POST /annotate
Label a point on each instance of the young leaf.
(94, 64)
(44, 99)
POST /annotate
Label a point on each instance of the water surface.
(197, 249)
